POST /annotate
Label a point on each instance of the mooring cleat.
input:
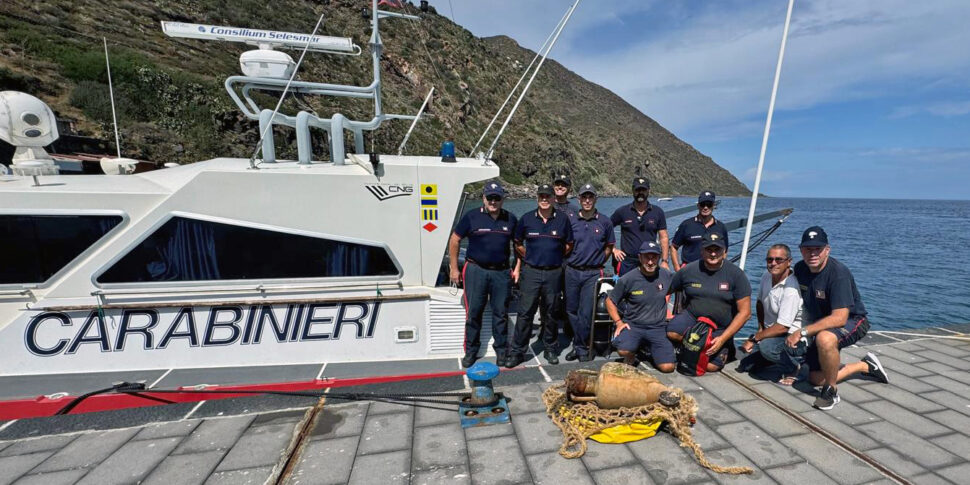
(483, 406)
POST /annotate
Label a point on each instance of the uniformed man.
(594, 244)
(833, 314)
(644, 317)
(717, 289)
(543, 238)
(561, 187)
(639, 222)
(486, 274)
(691, 232)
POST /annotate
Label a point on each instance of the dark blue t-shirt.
(689, 235)
(712, 294)
(544, 241)
(833, 287)
(567, 207)
(636, 229)
(489, 239)
(591, 235)
(646, 298)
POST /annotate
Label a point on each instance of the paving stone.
(955, 443)
(87, 450)
(624, 475)
(955, 362)
(132, 462)
(799, 474)
(909, 347)
(259, 446)
(536, 433)
(947, 384)
(919, 450)
(185, 469)
(525, 399)
(832, 460)
(430, 415)
(899, 354)
(167, 430)
(896, 462)
(707, 437)
(939, 346)
(854, 393)
(956, 473)
(930, 479)
(896, 367)
(14, 466)
(599, 455)
(438, 447)
(552, 469)
(386, 432)
(326, 462)
(215, 434)
(682, 382)
(908, 400)
(759, 446)
(957, 375)
(280, 417)
(453, 475)
(768, 418)
(713, 411)
(792, 399)
(34, 445)
(490, 431)
(497, 460)
(935, 367)
(62, 477)
(249, 476)
(919, 425)
(340, 421)
(912, 384)
(379, 407)
(952, 419)
(950, 400)
(732, 457)
(851, 414)
(666, 462)
(724, 389)
(385, 468)
(848, 434)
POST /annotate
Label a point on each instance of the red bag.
(693, 357)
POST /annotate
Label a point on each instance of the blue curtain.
(188, 255)
(348, 260)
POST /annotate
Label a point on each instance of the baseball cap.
(587, 189)
(545, 189)
(494, 188)
(814, 237)
(650, 247)
(714, 239)
(705, 196)
(641, 183)
(563, 179)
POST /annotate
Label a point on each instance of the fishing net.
(579, 421)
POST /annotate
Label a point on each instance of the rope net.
(579, 421)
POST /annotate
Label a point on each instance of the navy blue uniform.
(583, 268)
(565, 207)
(832, 288)
(541, 276)
(645, 310)
(486, 275)
(689, 235)
(636, 229)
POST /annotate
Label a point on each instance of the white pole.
(488, 154)
(764, 140)
(111, 93)
(407, 135)
(512, 92)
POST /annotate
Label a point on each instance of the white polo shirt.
(782, 302)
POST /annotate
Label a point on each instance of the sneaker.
(551, 357)
(571, 356)
(875, 368)
(468, 360)
(827, 398)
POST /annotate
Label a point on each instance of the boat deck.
(917, 428)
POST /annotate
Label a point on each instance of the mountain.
(172, 106)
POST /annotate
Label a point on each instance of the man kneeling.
(643, 294)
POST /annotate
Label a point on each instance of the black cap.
(814, 237)
(494, 188)
(705, 196)
(563, 179)
(587, 189)
(545, 189)
(641, 183)
(650, 247)
(713, 239)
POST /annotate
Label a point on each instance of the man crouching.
(644, 319)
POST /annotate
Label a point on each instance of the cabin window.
(186, 249)
(35, 247)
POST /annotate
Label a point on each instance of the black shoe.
(827, 398)
(571, 356)
(586, 358)
(500, 358)
(875, 368)
(468, 360)
(513, 360)
(551, 357)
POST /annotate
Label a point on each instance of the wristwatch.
(752, 338)
(803, 333)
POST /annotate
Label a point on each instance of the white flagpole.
(407, 135)
(111, 93)
(764, 140)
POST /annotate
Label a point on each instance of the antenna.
(111, 92)
(407, 135)
(265, 39)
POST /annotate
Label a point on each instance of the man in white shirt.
(779, 310)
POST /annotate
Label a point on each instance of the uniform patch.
(636, 292)
(660, 286)
(696, 285)
(553, 233)
(723, 286)
(820, 294)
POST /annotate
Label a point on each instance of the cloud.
(919, 154)
(944, 109)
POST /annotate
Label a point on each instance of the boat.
(665, 199)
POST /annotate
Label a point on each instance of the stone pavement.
(918, 426)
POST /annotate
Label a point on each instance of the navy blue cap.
(587, 189)
(563, 179)
(814, 237)
(713, 239)
(641, 183)
(494, 188)
(650, 247)
(705, 196)
(545, 189)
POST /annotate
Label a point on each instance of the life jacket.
(693, 357)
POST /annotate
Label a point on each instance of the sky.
(873, 99)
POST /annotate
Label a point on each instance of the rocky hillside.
(172, 105)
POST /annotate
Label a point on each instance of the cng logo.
(389, 191)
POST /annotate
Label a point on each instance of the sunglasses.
(775, 260)
(494, 198)
(706, 204)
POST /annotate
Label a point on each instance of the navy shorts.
(848, 335)
(683, 321)
(654, 338)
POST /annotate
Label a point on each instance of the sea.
(906, 255)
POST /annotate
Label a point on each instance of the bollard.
(483, 407)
